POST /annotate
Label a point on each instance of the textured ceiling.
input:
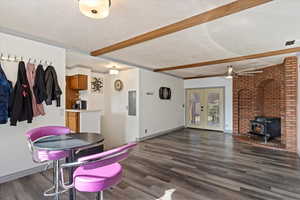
(61, 21)
(255, 30)
(78, 59)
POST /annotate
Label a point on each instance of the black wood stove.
(267, 127)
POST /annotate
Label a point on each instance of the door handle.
(202, 107)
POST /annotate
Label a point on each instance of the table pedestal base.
(70, 159)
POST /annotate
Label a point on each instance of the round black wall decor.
(165, 93)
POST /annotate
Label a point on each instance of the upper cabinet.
(79, 82)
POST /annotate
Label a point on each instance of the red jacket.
(38, 109)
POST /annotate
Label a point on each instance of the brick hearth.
(272, 93)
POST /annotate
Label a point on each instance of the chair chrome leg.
(56, 197)
(56, 189)
(53, 178)
(100, 195)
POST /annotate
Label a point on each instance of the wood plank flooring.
(189, 165)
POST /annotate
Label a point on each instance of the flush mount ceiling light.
(97, 9)
(114, 71)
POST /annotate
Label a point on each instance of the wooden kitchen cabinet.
(79, 82)
(73, 121)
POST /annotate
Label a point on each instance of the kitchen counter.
(78, 110)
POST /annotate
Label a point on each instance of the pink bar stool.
(98, 172)
(43, 156)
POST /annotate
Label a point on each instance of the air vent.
(289, 43)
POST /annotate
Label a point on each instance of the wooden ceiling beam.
(229, 60)
(225, 74)
(204, 76)
(228, 9)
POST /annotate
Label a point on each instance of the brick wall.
(291, 79)
(272, 93)
(271, 99)
(246, 109)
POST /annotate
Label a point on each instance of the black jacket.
(39, 88)
(21, 102)
(5, 94)
(53, 90)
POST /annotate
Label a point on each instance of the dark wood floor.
(188, 165)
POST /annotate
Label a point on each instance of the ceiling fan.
(231, 73)
(245, 72)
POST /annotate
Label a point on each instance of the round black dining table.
(70, 142)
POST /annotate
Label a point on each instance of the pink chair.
(98, 172)
(43, 156)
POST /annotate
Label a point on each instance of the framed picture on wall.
(97, 84)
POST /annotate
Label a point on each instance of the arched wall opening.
(268, 98)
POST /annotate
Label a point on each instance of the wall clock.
(118, 85)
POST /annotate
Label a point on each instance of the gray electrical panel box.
(132, 103)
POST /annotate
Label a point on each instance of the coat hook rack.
(15, 58)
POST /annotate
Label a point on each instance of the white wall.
(118, 127)
(94, 101)
(14, 152)
(158, 115)
(216, 82)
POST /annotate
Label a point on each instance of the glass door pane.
(193, 111)
(214, 98)
(213, 109)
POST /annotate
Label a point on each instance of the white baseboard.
(21, 174)
(160, 133)
(228, 131)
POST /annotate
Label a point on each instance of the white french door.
(205, 108)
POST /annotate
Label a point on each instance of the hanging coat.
(37, 109)
(21, 104)
(5, 94)
(39, 88)
(52, 87)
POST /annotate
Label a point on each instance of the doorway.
(205, 108)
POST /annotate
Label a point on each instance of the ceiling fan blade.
(248, 69)
(251, 72)
(245, 74)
